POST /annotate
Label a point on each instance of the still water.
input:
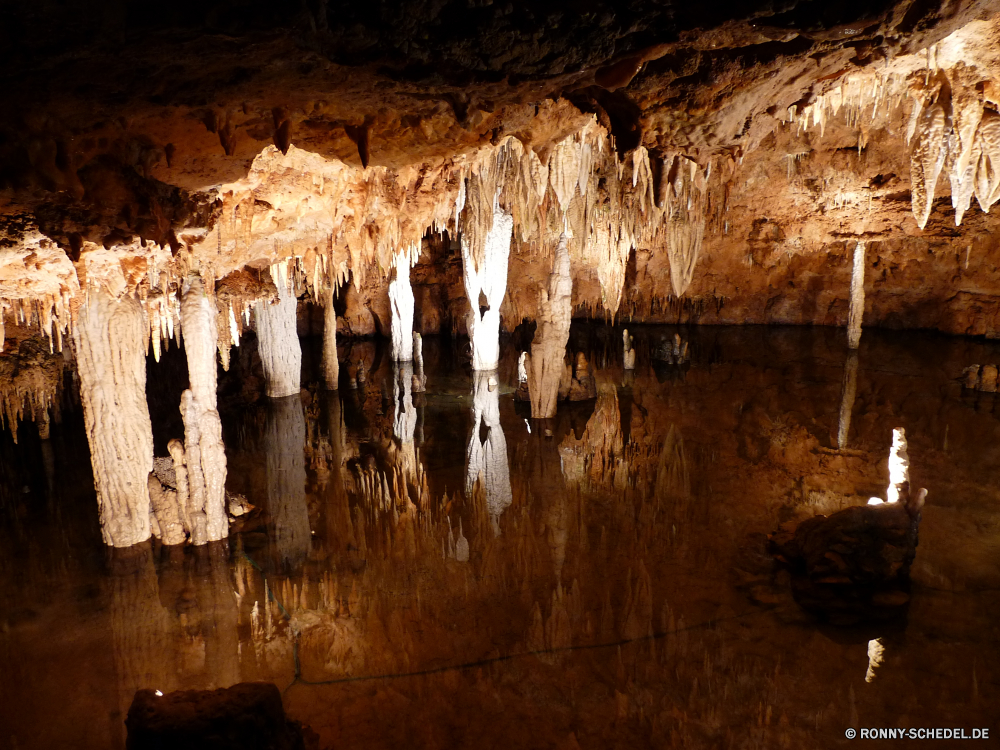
(433, 569)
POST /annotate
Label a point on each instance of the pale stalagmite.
(545, 367)
(488, 277)
(110, 338)
(278, 341)
(401, 309)
(206, 454)
(856, 311)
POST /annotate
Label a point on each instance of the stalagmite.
(629, 358)
(487, 276)
(331, 365)
(848, 393)
(856, 311)
(419, 378)
(206, 454)
(278, 341)
(401, 309)
(486, 461)
(545, 365)
(899, 467)
(110, 338)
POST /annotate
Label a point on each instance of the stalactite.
(110, 337)
(278, 341)
(486, 461)
(401, 307)
(548, 350)
(331, 363)
(206, 456)
(856, 311)
(487, 276)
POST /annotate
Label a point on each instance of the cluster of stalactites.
(52, 313)
(864, 101)
(605, 206)
(30, 385)
(954, 128)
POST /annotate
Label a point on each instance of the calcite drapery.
(489, 278)
(278, 341)
(545, 365)
(205, 452)
(856, 311)
(401, 308)
(331, 364)
(110, 336)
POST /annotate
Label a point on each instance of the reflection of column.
(404, 423)
(218, 616)
(847, 394)
(205, 453)
(339, 527)
(140, 627)
(278, 341)
(110, 338)
(487, 461)
(284, 448)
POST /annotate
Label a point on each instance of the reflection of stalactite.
(672, 480)
(140, 626)
(847, 396)
(545, 365)
(486, 461)
(284, 444)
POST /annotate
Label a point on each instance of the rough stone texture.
(545, 365)
(401, 309)
(331, 361)
(487, 277)
(110, 338)
(246, 716)
(206, 454)
(278, 343)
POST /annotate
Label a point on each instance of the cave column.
(489, 277)
(110, 336)
(401, 306)
(278, 340)
(486, 461)
(546, 363)
(856, 311)
(331, 365)
(204, 449)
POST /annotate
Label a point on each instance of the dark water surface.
(435, 570)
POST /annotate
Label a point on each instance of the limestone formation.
(205, 452)
(847, 395)
(545, 365)
(856, 311)
(110, 338)
(278, 341)
(419, 378)
(331, 363)
(487, 277)
(401, 308)
(628, 360)
(285, 466)
(486, 460)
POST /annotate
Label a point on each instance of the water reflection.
(629, 599)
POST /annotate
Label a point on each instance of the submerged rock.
(248, 716)
(854, 565)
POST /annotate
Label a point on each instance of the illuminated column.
(401, 308)
(110, 338)
(545, 365)
(857, 309)
(331, 365)
(489, 277)
(278, 340)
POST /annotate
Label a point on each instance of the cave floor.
(617, 591)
